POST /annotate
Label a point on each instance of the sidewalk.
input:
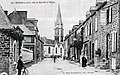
(96, 69)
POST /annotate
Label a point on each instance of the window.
(32, 39)
(49, 50)
(86, 31)
(60, 50)
(91, 25)
(114, 41)
(96, 24)
(109, 15)
(56, 50)
(90, 29)
(90, 49)
(103, 17)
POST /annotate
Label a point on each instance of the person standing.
(54, 58)
(20, 65)
(84, 61)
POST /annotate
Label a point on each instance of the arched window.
(56, 50)
(60, 50)
(49, 50)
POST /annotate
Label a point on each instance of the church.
(55, 47)
(58, 36)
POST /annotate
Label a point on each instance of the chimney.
(6, 12)
(23, 15)
(87, 14)
(99, 2)
(93, 9)
(80, 22)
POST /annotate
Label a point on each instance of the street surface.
(63, 67)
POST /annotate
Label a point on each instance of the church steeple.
(59, 27)
(59, 18)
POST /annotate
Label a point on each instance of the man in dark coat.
(54, 58)
(20, 65)
(84, 61)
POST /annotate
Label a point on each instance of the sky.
(46, 12)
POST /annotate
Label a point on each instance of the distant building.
(48, 47)
(59, 49)
(59, 27)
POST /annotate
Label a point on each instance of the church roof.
(47, 41)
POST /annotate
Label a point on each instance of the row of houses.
(18, 36)
(98, 36)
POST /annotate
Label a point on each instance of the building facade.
(101, 34)
(29, 26)
(10, 44)
(48, 47)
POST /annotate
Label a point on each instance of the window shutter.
(110, 14)
(91, 25)
(96, 45)
(90, 28)
(87, 29)
(96, 24)
(107, 16)
(114, 41)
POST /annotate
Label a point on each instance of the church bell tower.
(58, 27)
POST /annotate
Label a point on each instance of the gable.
(56, 45)
(4, 21)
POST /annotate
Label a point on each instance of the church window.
(49, 50)
(56, 50)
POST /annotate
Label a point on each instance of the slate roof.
(4, 21)
(47, 41)
(31, 24)
(25, 29)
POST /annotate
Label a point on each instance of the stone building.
(40, 49)
(10, 44)
(101, 34)
(29, 26)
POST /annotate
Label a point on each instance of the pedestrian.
(54, 58)
(84, 61)
(20, 65)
